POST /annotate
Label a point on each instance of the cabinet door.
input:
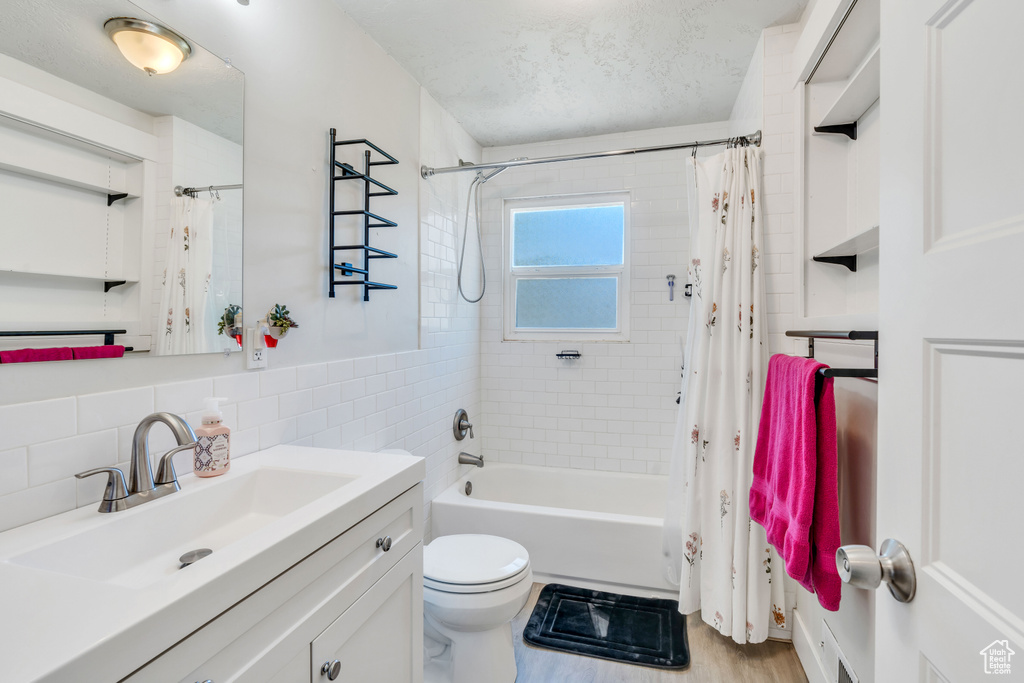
(379, 638)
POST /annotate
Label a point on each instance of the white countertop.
(60, 627)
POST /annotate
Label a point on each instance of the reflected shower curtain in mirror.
(721, 561)
(182, 325)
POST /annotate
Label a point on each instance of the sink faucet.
(470, 459)
(140, 476)
(141, 487)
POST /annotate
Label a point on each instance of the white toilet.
(473, 585)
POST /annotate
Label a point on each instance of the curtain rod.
(755, 139)
(193, 191)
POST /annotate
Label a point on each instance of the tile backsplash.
(402, 400)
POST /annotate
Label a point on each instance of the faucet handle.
(466, 424)
(115, 489)
(165, 473)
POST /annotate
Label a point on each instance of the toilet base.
(468, 656)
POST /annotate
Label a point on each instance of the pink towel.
(108, 351)
(35, 355)
(795, 489)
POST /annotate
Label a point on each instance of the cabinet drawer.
(260, 634)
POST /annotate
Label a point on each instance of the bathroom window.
(567, 263)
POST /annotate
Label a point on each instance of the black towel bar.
(856, 335)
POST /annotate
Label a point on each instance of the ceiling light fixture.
(151, 47)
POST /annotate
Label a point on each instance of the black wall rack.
(371, 188)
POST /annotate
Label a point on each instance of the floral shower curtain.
(186, 279)
(721, 561)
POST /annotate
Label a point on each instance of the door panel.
(951, 351)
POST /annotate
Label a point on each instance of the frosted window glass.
(567, 303)
(581, 236)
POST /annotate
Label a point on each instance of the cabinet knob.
(384, 543)
(331, 669)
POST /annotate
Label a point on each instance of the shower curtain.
(721, 561)
(186, 279)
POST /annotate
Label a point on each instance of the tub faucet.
(470, 459)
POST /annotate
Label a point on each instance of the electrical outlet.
(255, 351)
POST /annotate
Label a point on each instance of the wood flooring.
(713, 659)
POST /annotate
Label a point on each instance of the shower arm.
(754, 139)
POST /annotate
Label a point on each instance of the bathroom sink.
(85, 591)
(142, 545)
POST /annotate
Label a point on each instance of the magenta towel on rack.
(108, 351)
(35, 355)
(795, 490)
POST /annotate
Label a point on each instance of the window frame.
(512, 274)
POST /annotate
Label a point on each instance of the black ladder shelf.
(371, 188)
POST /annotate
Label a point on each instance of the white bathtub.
(600, 530)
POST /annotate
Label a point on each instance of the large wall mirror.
(108, 222)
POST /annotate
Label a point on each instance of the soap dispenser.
(213, 442)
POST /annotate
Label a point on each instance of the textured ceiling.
(67, 40)
(514, 71)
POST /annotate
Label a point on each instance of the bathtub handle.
(461, 424)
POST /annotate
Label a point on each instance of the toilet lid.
(473, 559)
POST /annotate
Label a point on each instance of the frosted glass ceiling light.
(151, 47)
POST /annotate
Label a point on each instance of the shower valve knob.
(461, 425)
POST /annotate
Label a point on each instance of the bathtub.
(600, 530)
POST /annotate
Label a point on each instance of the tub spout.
(470, 459)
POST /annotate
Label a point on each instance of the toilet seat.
(473, 563)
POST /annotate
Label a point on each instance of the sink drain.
(193, 556)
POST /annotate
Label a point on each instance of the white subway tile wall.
(614, 408)
(778, 170)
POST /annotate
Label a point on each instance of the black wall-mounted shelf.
(371, 188)
(847, 129)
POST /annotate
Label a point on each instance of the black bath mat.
(622, 628)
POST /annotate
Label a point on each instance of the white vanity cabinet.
(351, 601)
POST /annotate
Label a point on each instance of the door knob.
(860, 567)
(331, 669)
(384, 543)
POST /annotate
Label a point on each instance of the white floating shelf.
(64, 180)
(42, 273)
(860, 93)
(845, 253)
(857, 244)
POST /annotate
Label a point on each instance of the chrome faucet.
(141, 487)
(140, 476)
(470, 459)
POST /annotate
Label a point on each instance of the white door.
(951, 357)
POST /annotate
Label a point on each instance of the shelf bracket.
(111, 198)
(110, 284)
(848, 261)
(847, 129)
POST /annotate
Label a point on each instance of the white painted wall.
(61, 418)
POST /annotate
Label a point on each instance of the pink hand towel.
(108, 351)
(795, 489)
(35, 355)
